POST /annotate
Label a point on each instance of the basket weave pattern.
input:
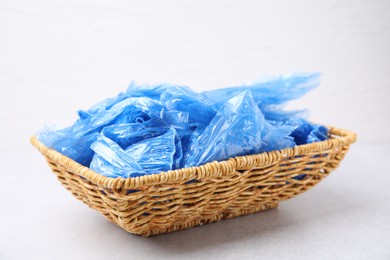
(179, 199)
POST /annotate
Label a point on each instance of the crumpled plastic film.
(155, 154)
(305, 132)
(270, 91)
(111, 160)
(235, 130)
(126, 134)
(150, 129)
(195, 104)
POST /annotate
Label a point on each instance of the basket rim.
(339, 137)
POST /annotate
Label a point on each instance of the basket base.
(200, 222)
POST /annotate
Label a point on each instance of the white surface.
(59, 56)
(70, 53)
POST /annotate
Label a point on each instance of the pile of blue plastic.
(150, 129)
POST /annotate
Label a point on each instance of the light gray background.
(60, 56)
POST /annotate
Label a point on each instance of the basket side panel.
(177, 205)
(80, 188)
(305, 171)
(243, 191)
(239, 188)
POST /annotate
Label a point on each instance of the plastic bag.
(184, 99)
(149, 129)
(151, 155)
(111, 160)
(235, 130)
(158, 153)
(269, 92)
(74, 141)
(77, 149)
(126, 134)
(306, 132)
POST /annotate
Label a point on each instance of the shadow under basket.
(180, 199)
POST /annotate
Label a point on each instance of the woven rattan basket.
(184, 198)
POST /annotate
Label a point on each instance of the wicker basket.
(179, 199)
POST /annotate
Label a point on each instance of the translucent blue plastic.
(235, 130)
(306, 132)
(269, 92)
(155, 154)
(184, 99)
(76, 148)
(111, 160)
(149, 129)
(126, 134)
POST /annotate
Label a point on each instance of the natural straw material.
(179, 199)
